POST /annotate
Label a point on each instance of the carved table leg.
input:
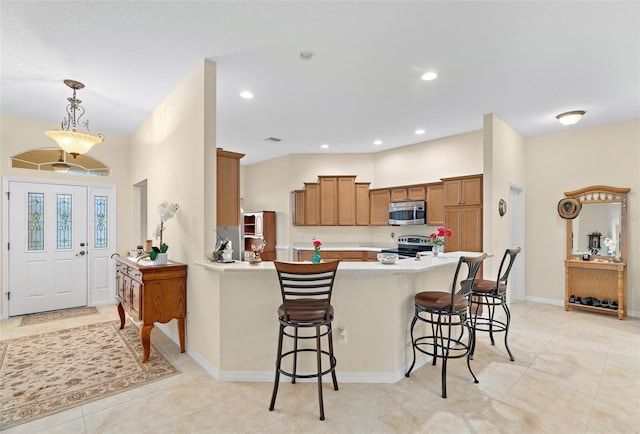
(181, 333)
(121, 313)
(145, 337)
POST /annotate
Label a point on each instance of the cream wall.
(503, 165)
(19, 135)
(573, 159)
(267, 185)
(174, 150)
(429, 161)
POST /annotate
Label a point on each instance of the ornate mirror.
(599, 228)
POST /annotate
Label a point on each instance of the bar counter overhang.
(373, 306)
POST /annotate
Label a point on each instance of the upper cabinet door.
(379, 207)
(435, 205)
(312, 203)
(346, 200)
(328, 200)
(463, 191)
(362, 204)
(228, 188)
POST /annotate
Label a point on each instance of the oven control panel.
(414, 240)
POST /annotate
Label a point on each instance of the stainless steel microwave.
(408, 213)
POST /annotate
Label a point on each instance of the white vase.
(161, 259)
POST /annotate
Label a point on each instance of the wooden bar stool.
(444, 310)
(493, 293)
(306, 305)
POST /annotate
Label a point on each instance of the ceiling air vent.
(272, 139)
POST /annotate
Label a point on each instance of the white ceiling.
(522, 61)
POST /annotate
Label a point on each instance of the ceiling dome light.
(324, 146)
(420, 131)
(69, 139)
(377, 142)
(570, 118)
(246, 94)
(429, 76)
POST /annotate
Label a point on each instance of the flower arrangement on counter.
(316, 255)
(166, 211)
(437, 238)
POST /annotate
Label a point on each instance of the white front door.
(47, 247)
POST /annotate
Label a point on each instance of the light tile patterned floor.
(575, 372)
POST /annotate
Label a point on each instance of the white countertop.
(410, 265)
(343, 248)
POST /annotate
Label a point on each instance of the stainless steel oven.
(410, 245)
(408, 213)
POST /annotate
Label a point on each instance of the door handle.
(82, 252)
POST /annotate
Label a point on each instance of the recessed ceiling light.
(420, 131)
(246, 94)
(306, 55)
(377, 142)
(429, 76)
(324, 146)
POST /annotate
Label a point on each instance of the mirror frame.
(600, 194)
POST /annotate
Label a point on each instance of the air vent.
(272, 139)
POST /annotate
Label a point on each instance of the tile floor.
(575, 372)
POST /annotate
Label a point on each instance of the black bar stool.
(492, 293)
(306, 304)
(444, 310)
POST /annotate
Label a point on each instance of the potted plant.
(166, 211)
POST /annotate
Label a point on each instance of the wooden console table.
(603, 280)
(152, 293)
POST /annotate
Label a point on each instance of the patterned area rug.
(37, 318)
(51, 372)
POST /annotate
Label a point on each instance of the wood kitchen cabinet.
(337, 200)
(362, 203)
(228, 188)
(311, 203)
(328, 200)
(346, 200)
(463, 191)
(408, 193)
(379, 207)
(150, 294)
(297, 207)
(343, 255)
(435, 204)
(466, 225)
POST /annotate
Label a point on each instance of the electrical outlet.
(342, 335)
(393, 235)
(189, 317)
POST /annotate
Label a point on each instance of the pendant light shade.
(68, 138)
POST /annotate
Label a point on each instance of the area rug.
(51, 372)
(37, 318)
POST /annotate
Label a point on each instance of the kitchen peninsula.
(373, 304)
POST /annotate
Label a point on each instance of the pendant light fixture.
(69, 139)
(570, 118)
(61, 165)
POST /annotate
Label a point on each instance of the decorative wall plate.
(569, 208)
(502, 207)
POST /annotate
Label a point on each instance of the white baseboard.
(268, 376)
